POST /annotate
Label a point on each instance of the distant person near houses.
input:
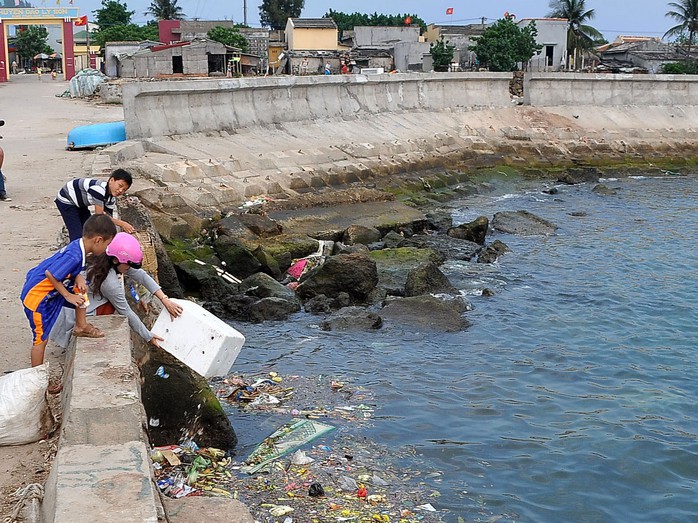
(304, 66)
(14, 66)
(328, 68)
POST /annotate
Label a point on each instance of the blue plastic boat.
(96, 135)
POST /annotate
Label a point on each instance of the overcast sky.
(613, 17)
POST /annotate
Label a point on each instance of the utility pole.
(244, 12)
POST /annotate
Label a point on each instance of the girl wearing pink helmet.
(124, 256)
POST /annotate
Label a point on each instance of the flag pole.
(87, 40)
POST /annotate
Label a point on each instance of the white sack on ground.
(24, 411)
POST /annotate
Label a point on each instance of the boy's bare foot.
(89, 331)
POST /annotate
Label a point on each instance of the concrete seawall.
(155, 109)
(608, 90)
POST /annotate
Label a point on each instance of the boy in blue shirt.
(50, 285)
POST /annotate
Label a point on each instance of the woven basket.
(150, 259)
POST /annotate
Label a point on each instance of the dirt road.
(36, 165)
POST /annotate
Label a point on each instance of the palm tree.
(579, 35)
(686, 13)
(165, 10)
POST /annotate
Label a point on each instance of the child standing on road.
(51, 285)
(75, 198)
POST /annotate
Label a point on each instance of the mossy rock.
(393, 265)
(297, 246)
(404, 256)
(239, 261)
(181, 250)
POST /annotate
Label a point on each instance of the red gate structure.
(63, 16)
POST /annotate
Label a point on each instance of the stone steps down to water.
(218, 171)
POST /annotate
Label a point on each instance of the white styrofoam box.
(199, 339)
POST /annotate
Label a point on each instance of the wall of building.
(570, 89)
(312, 39)
(409, 56)
(551, 32)
(111, 64)
(257, 41)
(368, 36)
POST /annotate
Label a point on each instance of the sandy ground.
(36, 165)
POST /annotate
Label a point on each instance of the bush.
(680, 68)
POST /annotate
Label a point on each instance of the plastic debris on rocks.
(286, 479)
(312, 398)
(184, 470)
(255, 205)
(343, 477)
(286, 439)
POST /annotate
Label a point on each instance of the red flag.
(449, 10)
(408, 20)
(81, 21)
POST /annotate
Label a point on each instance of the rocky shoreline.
(354, 263)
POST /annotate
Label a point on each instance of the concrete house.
(638, 55)
(311, 34)
(388, 47)
(552, 35)
(115, 51)
(192, 58)
(172, 31)
(310, 44)
(460, 36)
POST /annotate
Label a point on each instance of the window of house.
(549, 50)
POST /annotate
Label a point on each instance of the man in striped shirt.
(75, 198)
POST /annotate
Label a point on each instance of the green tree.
(165, 10)
(685, 12)
(274, 13)
(504, 44)
(32, 41)
(347, 22)
(129, 32)
(580, 36)
(112, 13)
(228, 36)
(441, 54)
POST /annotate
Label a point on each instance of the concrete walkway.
(36, 165)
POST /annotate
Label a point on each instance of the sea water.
(572, 395)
